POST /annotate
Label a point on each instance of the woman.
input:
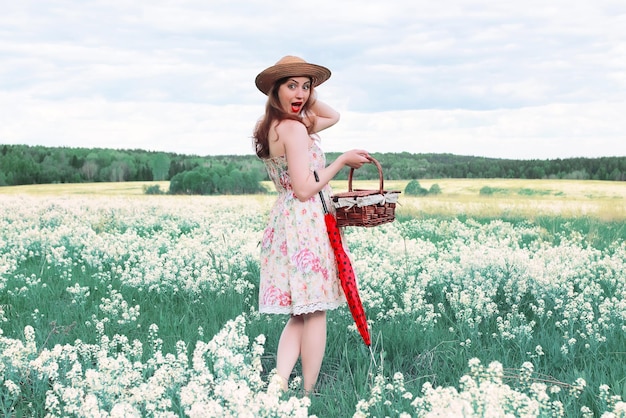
(298, 268)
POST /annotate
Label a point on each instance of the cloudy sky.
(495, 78)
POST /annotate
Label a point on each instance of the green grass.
(102, 247)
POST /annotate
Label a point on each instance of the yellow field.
(605, 200)
(514, 197)
(125, 188)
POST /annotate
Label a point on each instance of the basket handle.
(380, 174)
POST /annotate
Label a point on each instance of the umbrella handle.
(317, 179)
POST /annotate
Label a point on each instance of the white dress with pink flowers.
(298, 268)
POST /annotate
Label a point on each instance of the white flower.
(13, 388)
(125, 410)
(539, 350)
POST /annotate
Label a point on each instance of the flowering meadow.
(146, 306)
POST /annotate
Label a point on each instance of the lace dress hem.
(300, 310)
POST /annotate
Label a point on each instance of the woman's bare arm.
(297, 141)
(326, 116)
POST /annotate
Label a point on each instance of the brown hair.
(274, 112)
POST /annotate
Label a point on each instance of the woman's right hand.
(356, 158)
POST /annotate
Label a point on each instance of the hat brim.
(266, 79)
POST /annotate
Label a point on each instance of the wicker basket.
(365, 207)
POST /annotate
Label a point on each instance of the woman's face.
(294, 93)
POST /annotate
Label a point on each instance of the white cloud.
(527, 133)
(482, 77)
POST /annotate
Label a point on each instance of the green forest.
(218, 174)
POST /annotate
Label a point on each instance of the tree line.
(23, 164)
(216, 174)
(406, 166)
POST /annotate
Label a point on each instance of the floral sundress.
(298, 267)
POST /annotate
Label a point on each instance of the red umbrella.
(346, 273)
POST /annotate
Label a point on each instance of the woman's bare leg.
(289, 348)
(304, 336)
(313, 348)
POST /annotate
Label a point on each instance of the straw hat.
(291, 66)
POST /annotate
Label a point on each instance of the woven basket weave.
(370, 214)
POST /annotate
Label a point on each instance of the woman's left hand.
(356, 158)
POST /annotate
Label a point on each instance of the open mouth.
(296, 106)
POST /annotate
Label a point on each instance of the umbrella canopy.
(347, 278)
(346, 273)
